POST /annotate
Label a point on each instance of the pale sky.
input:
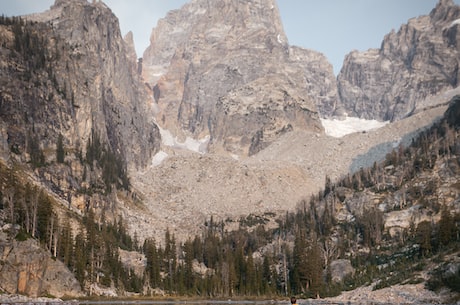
(332, 27)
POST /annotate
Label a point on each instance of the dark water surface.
(230, 302)
(203, 302)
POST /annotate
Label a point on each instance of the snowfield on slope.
(341, 127)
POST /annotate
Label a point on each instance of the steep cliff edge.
(224, 69)
(412, 65)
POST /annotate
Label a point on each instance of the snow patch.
(340, 127)
(279, 39)
(159, 157)
(455, 22)
(235, 157)
(199, 146)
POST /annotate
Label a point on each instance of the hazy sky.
(333, 27)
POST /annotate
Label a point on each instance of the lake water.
(206, 302)
(230, 302)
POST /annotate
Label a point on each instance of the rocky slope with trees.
(73, 121)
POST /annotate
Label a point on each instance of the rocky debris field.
(187, 188)
(397, 294)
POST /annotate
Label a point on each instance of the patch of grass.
(22, 236)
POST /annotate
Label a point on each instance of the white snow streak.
(279, 39)
(455, 22)
(340, 127)
(159, 157)
(167, 139)
(199, 146)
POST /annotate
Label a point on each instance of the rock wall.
(84, 79)
(224, 69)
(25, 268)
(412, 65)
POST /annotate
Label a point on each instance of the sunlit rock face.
(29, 270)
(413, 64)
(89, 82)
(224, 69)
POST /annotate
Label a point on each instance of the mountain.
(412, 65)
(185, 64)
(182, 172)
(225, 71)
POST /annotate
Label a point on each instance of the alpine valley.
(217, 165)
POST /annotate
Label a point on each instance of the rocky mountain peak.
(58, 3)
(415, 63)
(445, 11)
(444, 3)
(131, 52)
(223, 69)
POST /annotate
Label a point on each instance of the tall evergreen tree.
(299, 273)
(423, 237)
(60, 153)
(446, 227)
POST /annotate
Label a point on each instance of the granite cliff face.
(28, 269)
(76, 79)
(412, 65)
(68, 74)
(224, 70)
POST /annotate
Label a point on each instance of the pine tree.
(65, 244)
(44, 217)
(446, 227)
(251, 275)
(189, 277)
(37, 158)
(299, 274)
(80, 258)
(170, 258)
(423, 237)
(315, 267)
(60, 153)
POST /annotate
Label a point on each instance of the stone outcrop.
(25, 268)
(412, 65)
(224, 69)
(340, 269)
